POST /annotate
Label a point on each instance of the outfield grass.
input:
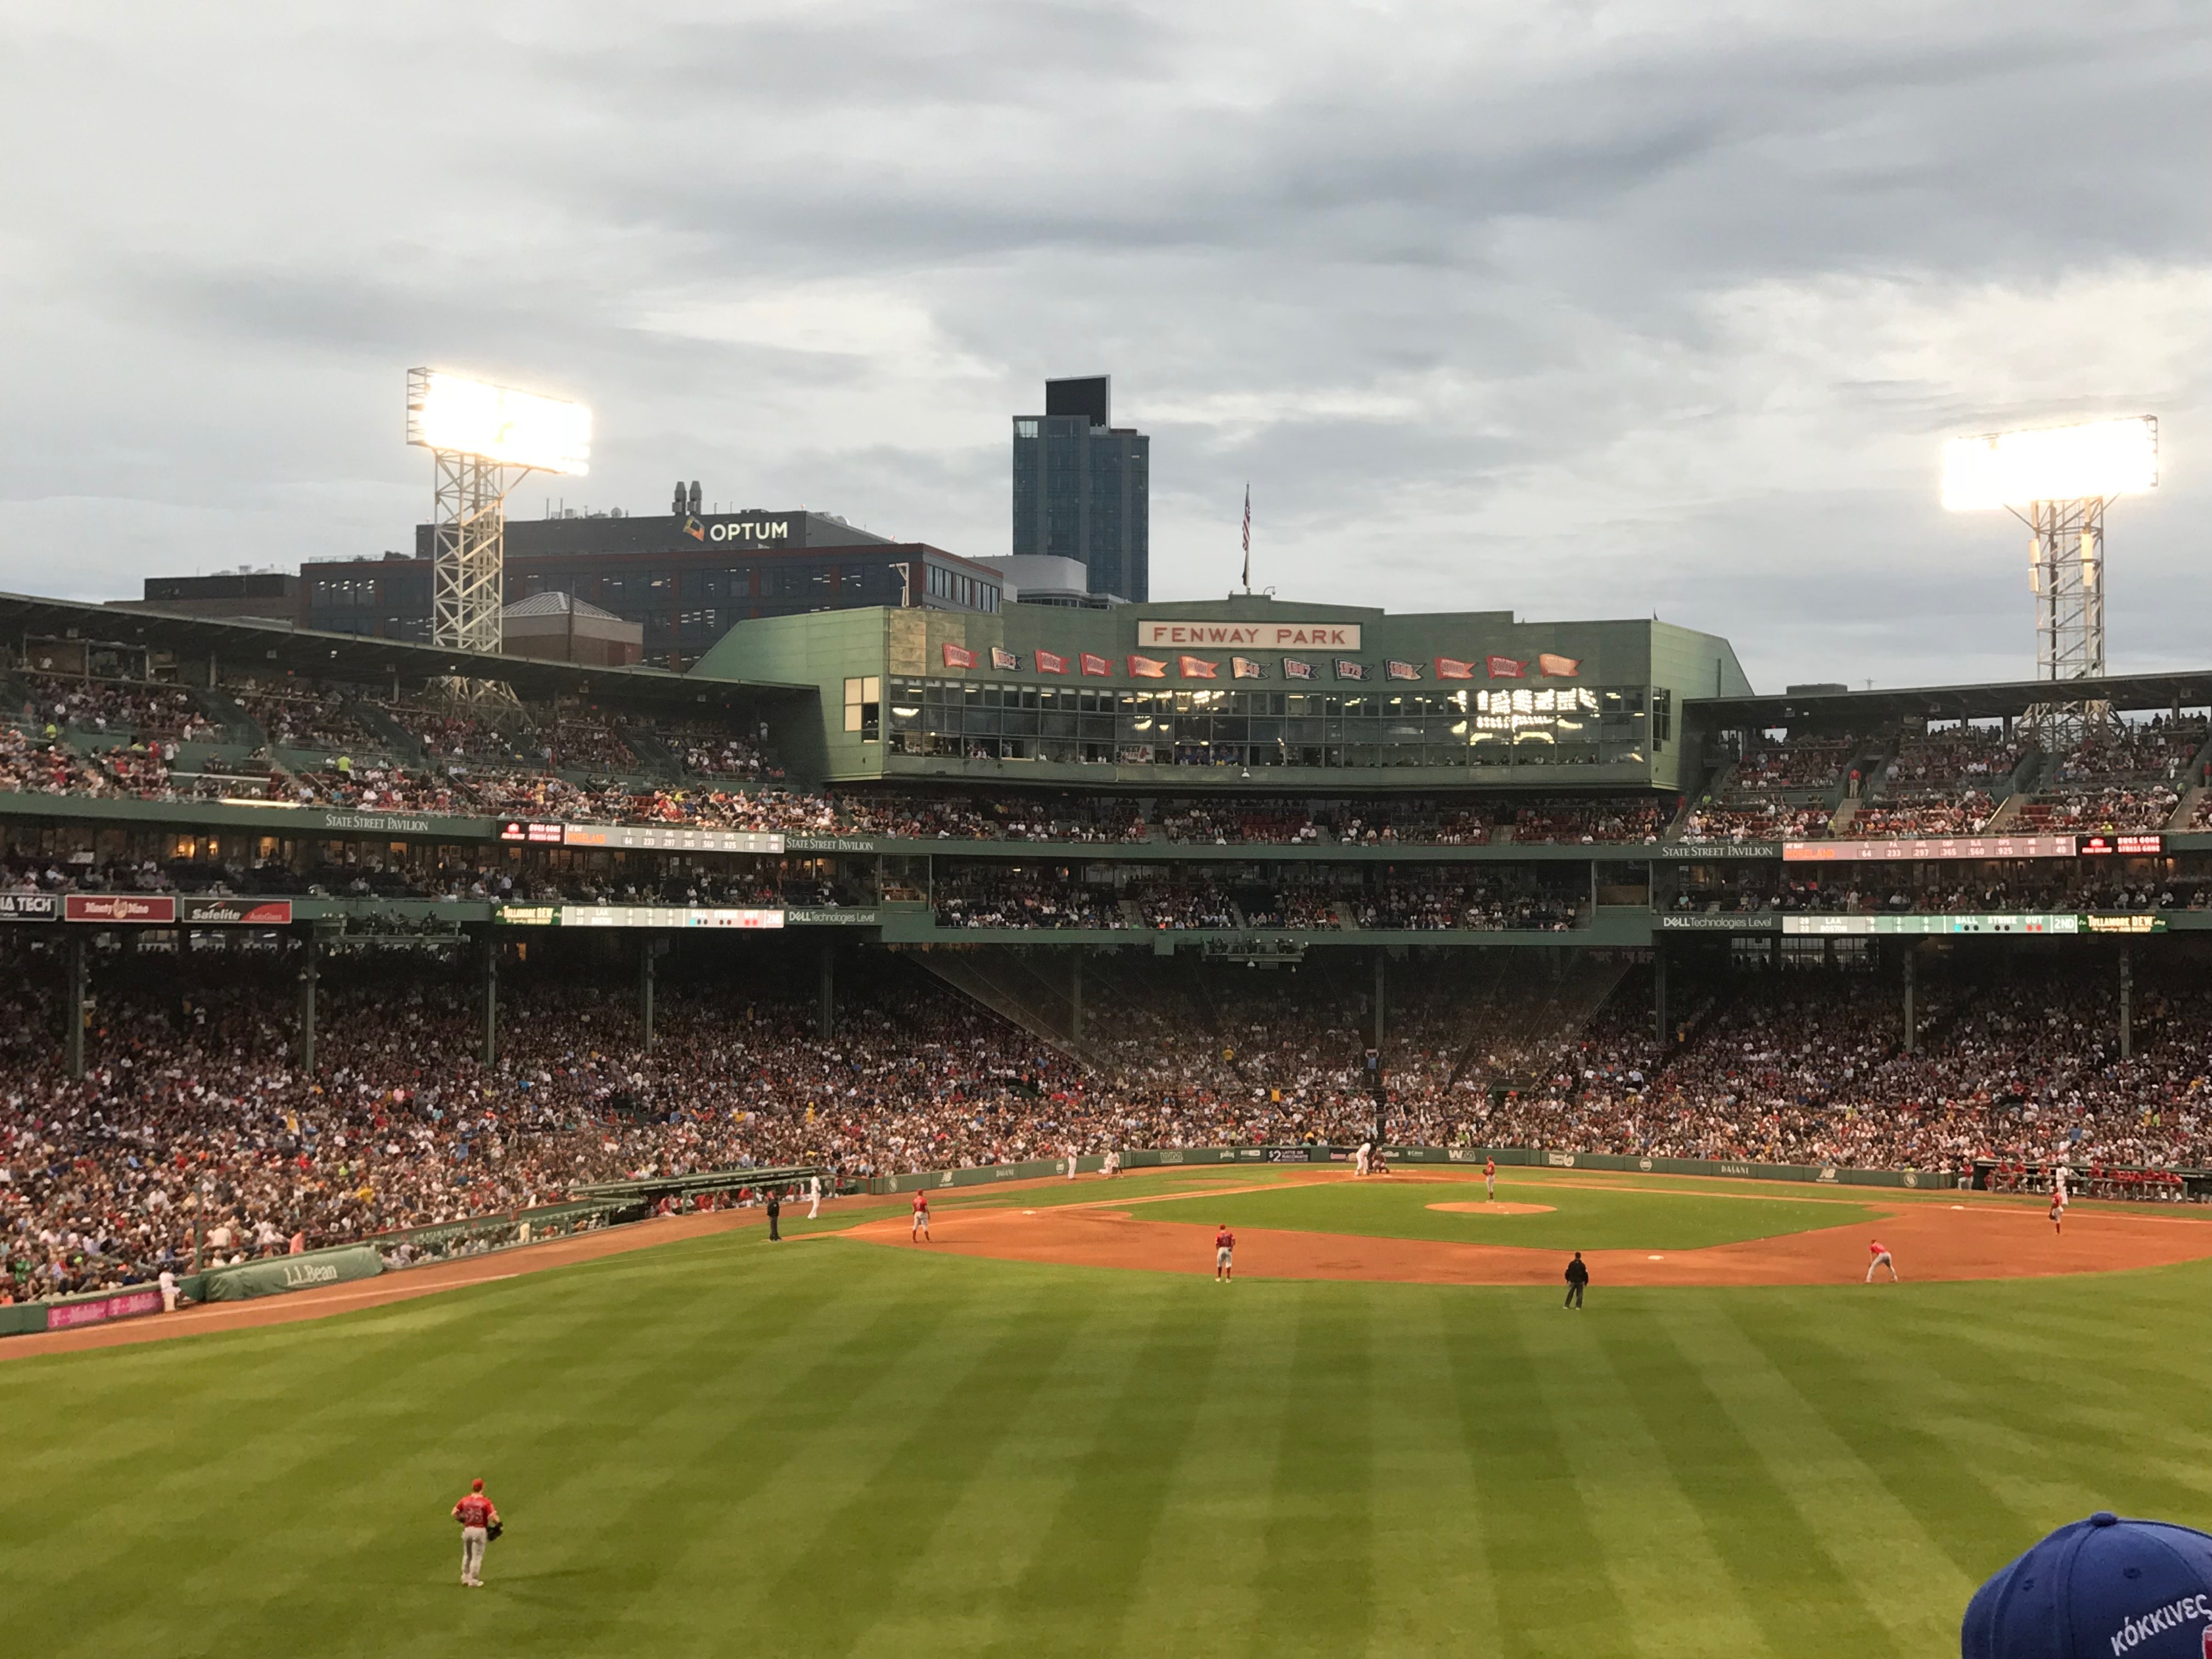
(1583, 1217)
(825, 1447)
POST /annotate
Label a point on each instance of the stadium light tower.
(2057, 482)
(484, 440)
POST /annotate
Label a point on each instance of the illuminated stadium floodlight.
(483, 439)
(2057, 481)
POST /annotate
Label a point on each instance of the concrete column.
(648, 948)
(79, 986)
(1382, 959)
(826, 1017)
(310, 969)
(2127, 1003)
(490, 1053)
(1911, 1025)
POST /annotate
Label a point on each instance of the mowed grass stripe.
(958, 1592)
(1196, 1591)
(1432, 1590)
(2057, 1426)
(1653, 1542)
(780, 1518)
(285, 1448)
(782, 1376)
(1530, 1525)
(1316, 1586)
(1805, 1602)
(864, 1534)
(1928, 1437)
(468, 1421)
(1096, 1551)
(1899, 1573)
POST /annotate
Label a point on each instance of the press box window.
(864, 701)
(1662, 717)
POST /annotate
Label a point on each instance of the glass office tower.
(1082, 487)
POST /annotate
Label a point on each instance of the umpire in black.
(775, 1210)
(1577, 1280)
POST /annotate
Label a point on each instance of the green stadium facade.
(1446, 721)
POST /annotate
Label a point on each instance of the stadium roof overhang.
(241, 642)
(2189, 689)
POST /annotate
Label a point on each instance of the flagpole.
(1248, 538)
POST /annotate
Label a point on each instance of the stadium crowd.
(194, 1114)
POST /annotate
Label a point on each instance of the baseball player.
(1224, 1248)
(1490, 1180)
(1071, 1160)
(2057, 1212)
(2058, 1178)
(813, 1196)
(478, 1515)
(1360, 1159)
(1880, 1253)
(920, 1227)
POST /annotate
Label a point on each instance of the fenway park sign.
(1248, 636)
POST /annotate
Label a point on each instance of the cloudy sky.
(1572, 308)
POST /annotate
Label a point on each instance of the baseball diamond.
(1374, 1440)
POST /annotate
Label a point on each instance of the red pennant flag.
(1504, 668)
(1564, 668)
(1048, 663)
(1097, 666)
(958, 656)
(1450, 668)
(1147, 668)
(1195, 668)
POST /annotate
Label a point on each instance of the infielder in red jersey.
(478, 1515)
(2059, 1212)
(1879, 1253)
(921, 1218)
(1490, 1180)
(1224, 1247)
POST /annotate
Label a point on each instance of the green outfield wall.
(279, 1275)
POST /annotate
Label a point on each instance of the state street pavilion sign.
(1247, 635)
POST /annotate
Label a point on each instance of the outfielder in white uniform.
(1071, 1160)
(813, 1196)
(1361, 1159)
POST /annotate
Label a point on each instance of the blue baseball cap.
(2102, 1587)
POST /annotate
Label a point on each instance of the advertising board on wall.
(144, 908)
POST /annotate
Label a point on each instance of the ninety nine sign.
(1250, 636)
(1949, 847)
(117, 906)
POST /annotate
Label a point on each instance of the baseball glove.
(493, 1530)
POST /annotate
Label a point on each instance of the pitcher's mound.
(1494, 1209)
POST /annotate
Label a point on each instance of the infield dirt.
(1930, 1239)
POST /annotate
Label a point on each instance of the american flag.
(1247, 538)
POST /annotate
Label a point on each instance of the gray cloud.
(1573, 309)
